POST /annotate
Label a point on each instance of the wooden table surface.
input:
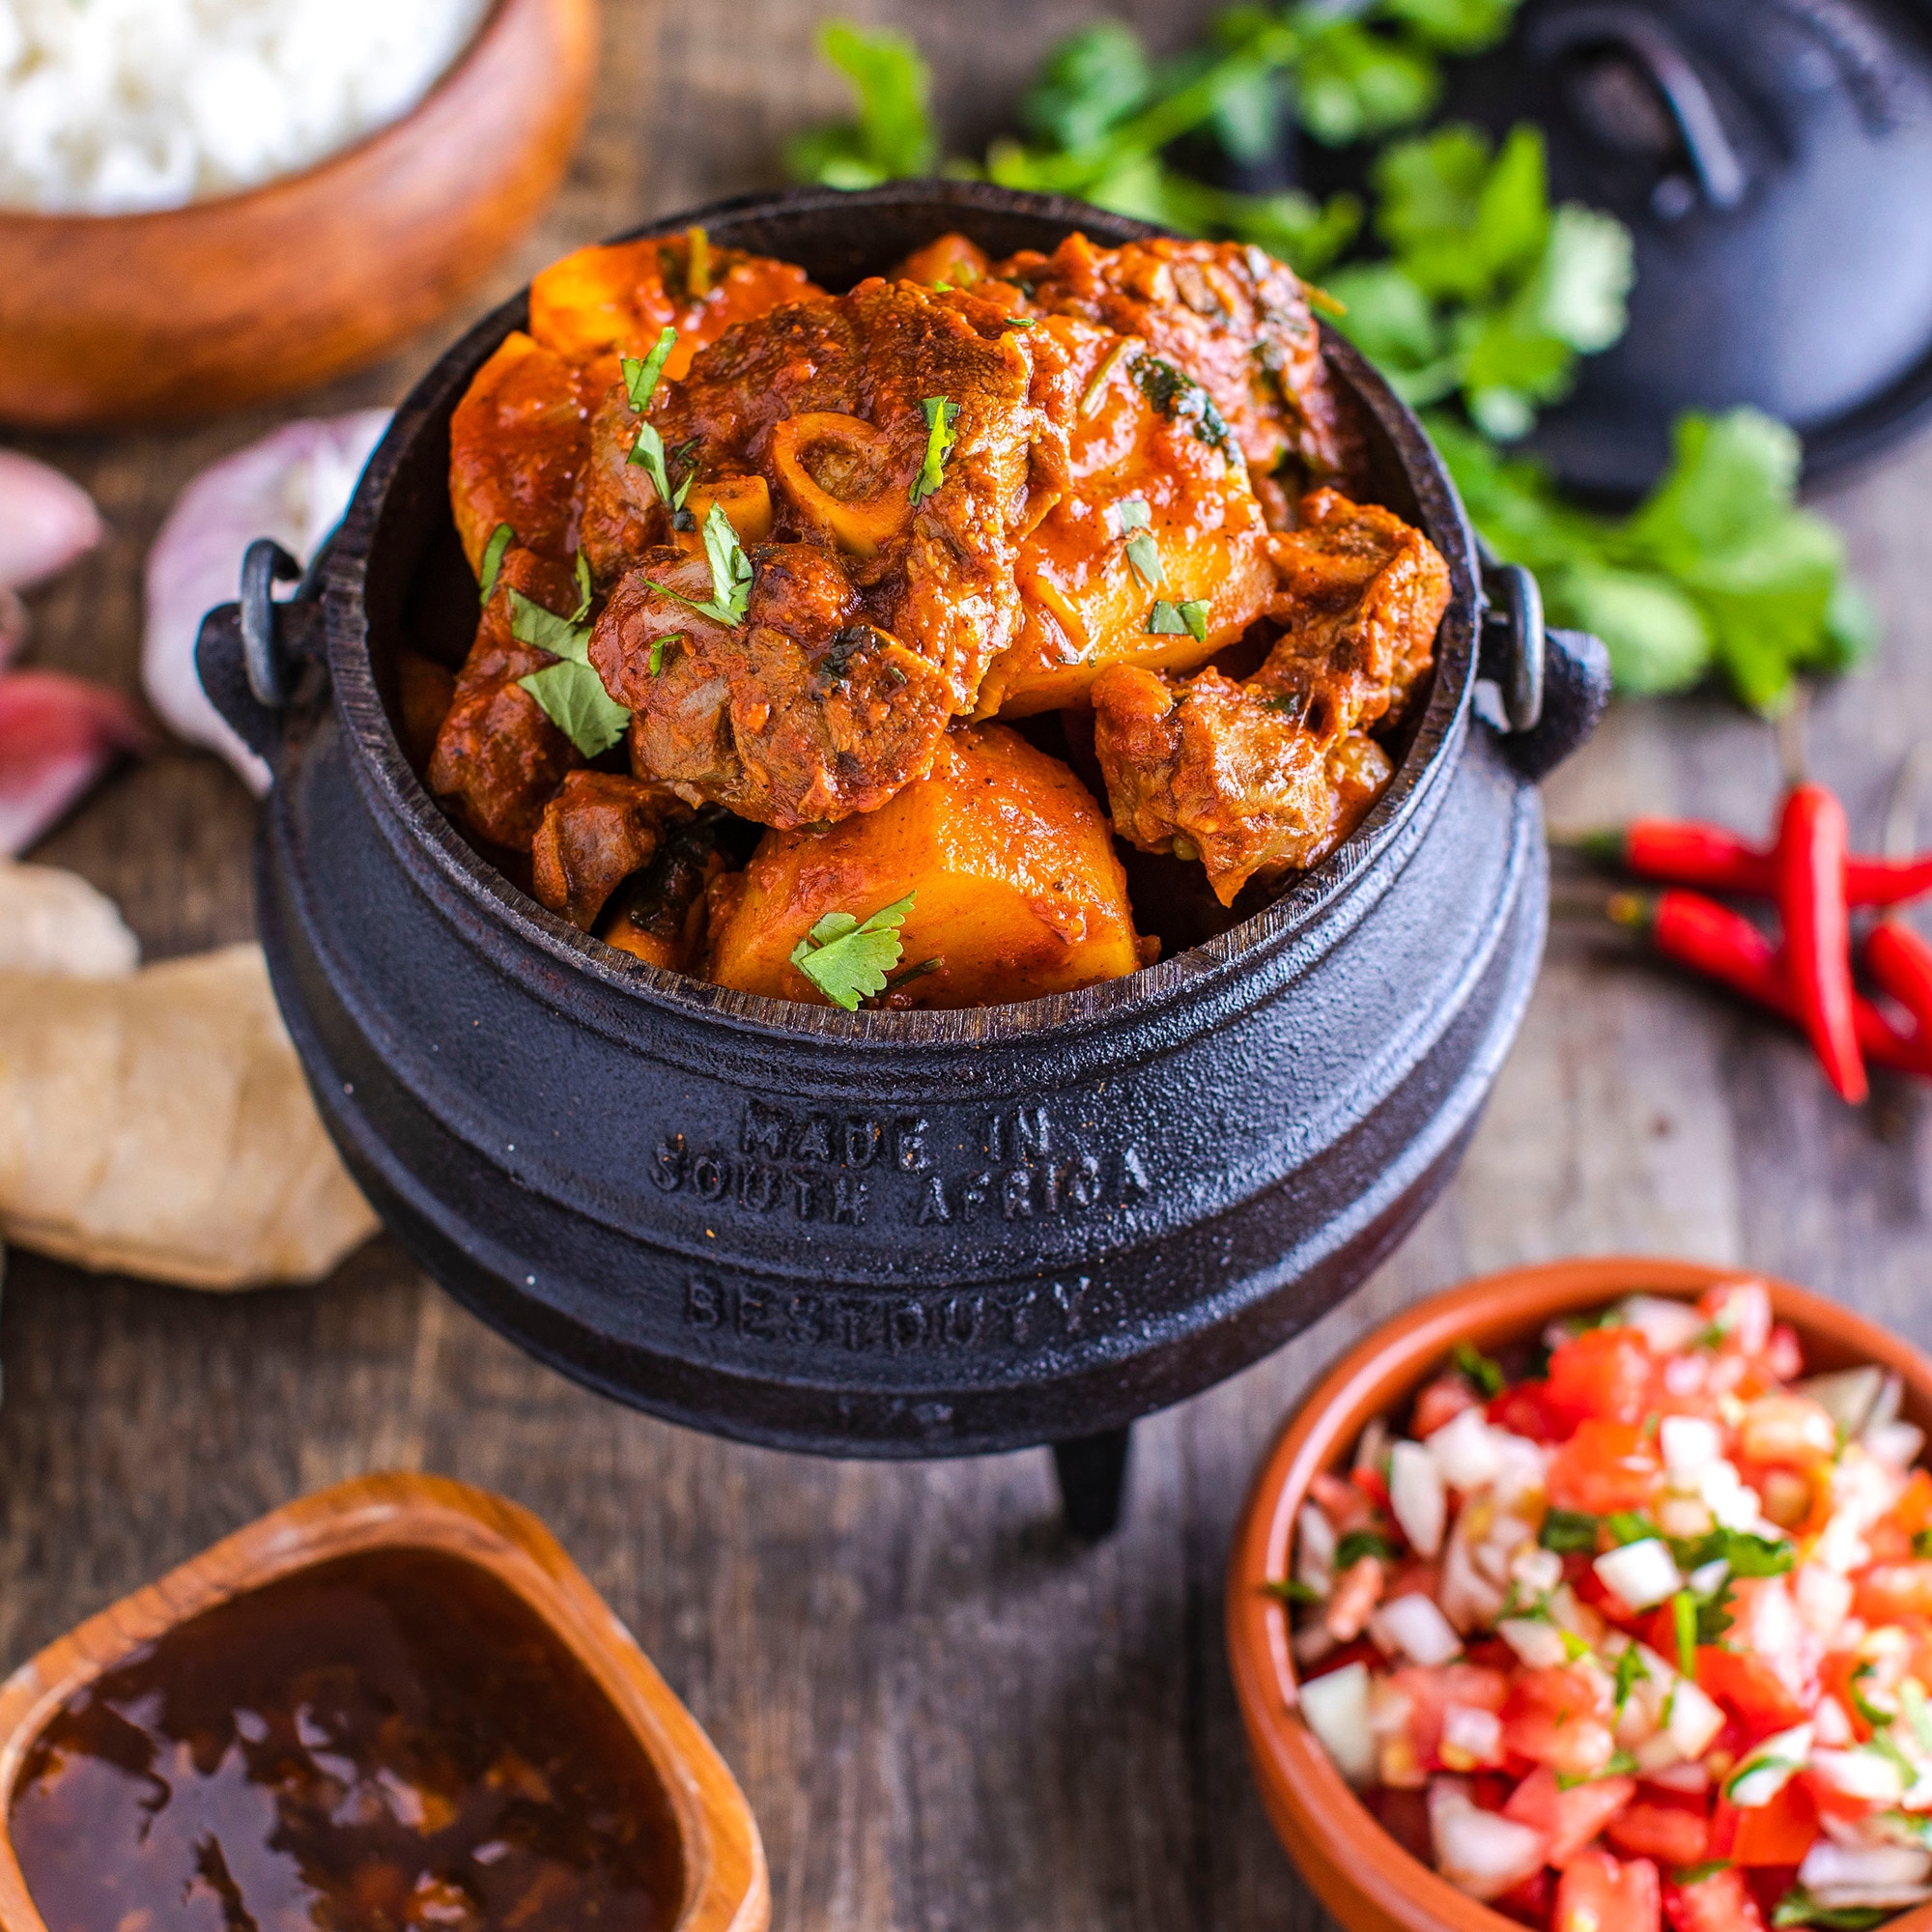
(944, 1713)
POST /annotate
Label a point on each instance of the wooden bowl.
(118, 318)
(1357, 1870)
(725, 1889)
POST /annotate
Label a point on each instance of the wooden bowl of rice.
(219, 303)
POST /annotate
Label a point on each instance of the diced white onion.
(1769, 1768)
(1417, 1498)
(1537, 1570)
(1695, 1719)
(1471, 1734)
(1689, 1444)
(1830, 1866)
(1692, 1779)
(1480, 1852)
(1642, 1573)
(1372, 1451)
(1860, 1773)
(1666, 1325)
(1464, 1450)
(1336, 1708)
(1412, 1625)
(1708, 1579)
(1536, 1641)
(1824, 1598)
(1897, 1444)
(1314, 1548)
(1831, 1725)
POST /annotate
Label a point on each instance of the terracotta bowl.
(725, 1888)
(1357, 1870)
(128, 317)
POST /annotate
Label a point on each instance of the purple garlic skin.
(47, 520)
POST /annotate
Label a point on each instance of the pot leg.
(1093, 1472)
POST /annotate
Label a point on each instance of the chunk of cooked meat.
(1213, 770)
(518, 444)
(659, 916)
(498, 757)
(598, 830)
(1157, 511)
(1271, 775)
(825, 401)
(1016, 889)
(1360, 599)
(1229, 314)
(805, 712)
(601, 304)
(950, 258)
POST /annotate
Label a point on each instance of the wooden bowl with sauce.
(185, 311)
(400, 1661)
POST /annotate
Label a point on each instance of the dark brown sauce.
(388, 1741)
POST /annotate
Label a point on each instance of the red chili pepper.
(1813, 840)
(1724, 946)
(1901, 963)
(1683, 852)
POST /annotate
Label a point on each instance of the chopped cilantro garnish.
(647, 452)
(1922, 1542)
(659, 645)
(641, 375)
(583, 610)
(1293, 1590)
(544, 630)
(1871, 1713)
(1887, 1746)
(940, 416)
(1360, 1543)
(1631, 1672)
(1684, 1618)
(1746, 1555)
(501, 539)
(1629, 1526)
(1096, 384)
(1482, 1375)
(1697, 1874)
(1174, 620)
(730, 569)
(570, 691)
(1568, 1532)
(1799, 1908)
(1180, 398)
(848, 960)
(1133, 514)
(1146, 561)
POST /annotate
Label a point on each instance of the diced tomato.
(1430, 1693)
(1720, 1903)
(1551, 1717)
(1403, 1815)
(1749, 1685)
(1889, 1592)
(1767, 1885)
(1361, 1651)
(1777, 1833)
(1835, 1678)
(1913, 1511)
(1673, 1834)
(1783, 1353)
(1572, 1818)
(1605, 1374)
(1441, 1401)
(1492, 1652)
(1371, 1483)
(1525, 1411)
(1605, 1466)
(1599, 1893)
(1531, 1902)
(1766, 1670)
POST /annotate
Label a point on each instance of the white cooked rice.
(112, 106)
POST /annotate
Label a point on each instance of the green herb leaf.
(1133, 514)
(545, 631)
(659, 645)
(1921, 1543)
(1194, 614)
(730, 569)
(584, 589)
(892, 135)
(940, 416)
(1146, 561)
(1482, 1375)
(1873, 1715)
(501, 539)
(848, 960)
(1631, 1672)
(1293, 1590)
(1799, 1908)
(1684, 1618)
(1628, 1526)
(574, 700)
(1164, 620)
(640, 375)
(1087, 86)
(1746, 1555)
(1567, 1532)
(1360, 1543)
(1180, 398)
(1697, 1874)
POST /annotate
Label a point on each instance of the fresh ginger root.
(157, 1124)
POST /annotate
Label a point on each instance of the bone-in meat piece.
(598, 830)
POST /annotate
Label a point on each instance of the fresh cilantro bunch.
(891, 136)
(1716, 570)
(1488, 292)
(849, 959)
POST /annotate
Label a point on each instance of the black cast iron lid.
(1773, 161)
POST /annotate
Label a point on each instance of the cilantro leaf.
(1353, 85)
(1360, 1543)
(1684, 1621)
(501, 539)
(1132, 513)
(892, 136)
(1747, 1555)
(640, 377)
(1697, 1874)
(1293, 1590)
(940, 416)
(1087, 86)
(1629, 1526)
(1631, 1672)
(848, 960)
(730, 569)
(573, 698)
(1146, 561)
(647, 452)
(584, 589)
(1799, 1908)
(545, 631)
(1482, 1375)
(1567, 1532)
(1164, 620)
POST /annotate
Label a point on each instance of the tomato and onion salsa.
(1641, 1632)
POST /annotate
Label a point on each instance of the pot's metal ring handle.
(249, 654)
(1553, 684)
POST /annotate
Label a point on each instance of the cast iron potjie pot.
(884, 1233)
